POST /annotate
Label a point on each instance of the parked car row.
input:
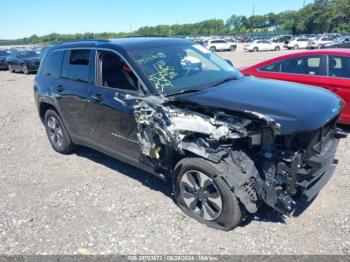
(299, 42)
(25, 61)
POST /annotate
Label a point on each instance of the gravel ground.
(90, 203)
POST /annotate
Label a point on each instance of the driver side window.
(114, 72)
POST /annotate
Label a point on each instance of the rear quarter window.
(53, 64)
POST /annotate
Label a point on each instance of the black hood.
(295, 107)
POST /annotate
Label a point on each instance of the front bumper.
(300, 176)
(322, 168)
(33, 67)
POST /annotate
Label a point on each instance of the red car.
(328, 68)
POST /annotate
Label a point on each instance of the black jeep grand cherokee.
(173, 108)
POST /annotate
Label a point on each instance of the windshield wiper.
(184, 92)
(225, 81)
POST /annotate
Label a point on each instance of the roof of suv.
(126, 43)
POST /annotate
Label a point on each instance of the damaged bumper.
(310, 183)
(302, 175)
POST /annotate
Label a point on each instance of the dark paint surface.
(337, 85)
(296, 109)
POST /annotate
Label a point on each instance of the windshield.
(27, 54)
(182, 68)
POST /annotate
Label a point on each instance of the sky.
(22, 18)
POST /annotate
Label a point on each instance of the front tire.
(213, 49)
(25, 69)
(57, 133)
(204, 196)
(277, 48)
(255, 49)
(296, 47)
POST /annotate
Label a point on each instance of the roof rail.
(83, 40)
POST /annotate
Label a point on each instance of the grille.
(316, 141)
(313, 142)
(325, 137)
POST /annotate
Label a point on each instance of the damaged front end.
(257, 162)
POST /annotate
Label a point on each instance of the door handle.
(60, 88)
(97, 98)
(120, 98)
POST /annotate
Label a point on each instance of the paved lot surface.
(90, 203)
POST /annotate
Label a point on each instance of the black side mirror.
(229, 62)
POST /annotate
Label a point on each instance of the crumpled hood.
(295, 107)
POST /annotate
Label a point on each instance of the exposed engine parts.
(257, 162)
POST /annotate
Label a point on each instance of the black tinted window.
(275, 67)
(305, 65)
(77, 67)
(115, 73)
(339, 66)
(53, 64)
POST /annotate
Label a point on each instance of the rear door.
(266, 45)
(221, 44)
(73, 90)
(338, 81)
(113, 123)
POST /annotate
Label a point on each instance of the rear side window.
(339, 66)
(53, 64)
(275, 67)
(304, 65)
(77, 66)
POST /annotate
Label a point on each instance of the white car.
(299, 43)
(221, 45)
(321, 41)
(262, 45)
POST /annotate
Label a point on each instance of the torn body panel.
(269, 167)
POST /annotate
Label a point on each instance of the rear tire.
(232, 48)
(296, 47)
(57, 133)
(277, 48)
(205, 197)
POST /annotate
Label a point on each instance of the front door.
(113, 122)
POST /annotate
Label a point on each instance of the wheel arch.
(238, 171)
(43, 107)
